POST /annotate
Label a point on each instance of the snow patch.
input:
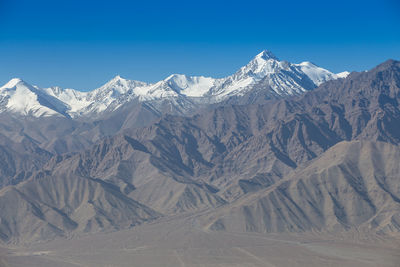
(343, 74)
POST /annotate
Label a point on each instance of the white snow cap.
(117, 78)
(265, 54)
(12, 83)
(343, 74)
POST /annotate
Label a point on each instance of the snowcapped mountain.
(282, 77)
(19, 97)
(319, 75)
(265, 72)
(98, 100)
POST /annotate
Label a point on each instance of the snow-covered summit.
(267, 71)
(22, 98)
(266, 55)
(264, 72)
(12, 83)
(194, 86)
(319, 75)
(117, 86)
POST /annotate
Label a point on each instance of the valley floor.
(180, 242)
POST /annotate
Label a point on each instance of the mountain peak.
(12, 83)
(116, 81)
(388, 64)
(261, 63)
(117, 78)
(265, 54)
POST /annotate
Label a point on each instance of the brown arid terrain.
(304, 180)
(180, 242)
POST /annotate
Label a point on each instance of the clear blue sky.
(82, 44)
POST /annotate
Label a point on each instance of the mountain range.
(53, 121)
(276, 147)
(185, 93)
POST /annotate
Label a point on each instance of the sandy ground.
(180, 242)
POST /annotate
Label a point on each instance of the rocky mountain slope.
(47, 206)
(353, 185)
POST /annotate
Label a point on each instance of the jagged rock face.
(256, 164)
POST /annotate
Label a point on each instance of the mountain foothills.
(276, 147)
